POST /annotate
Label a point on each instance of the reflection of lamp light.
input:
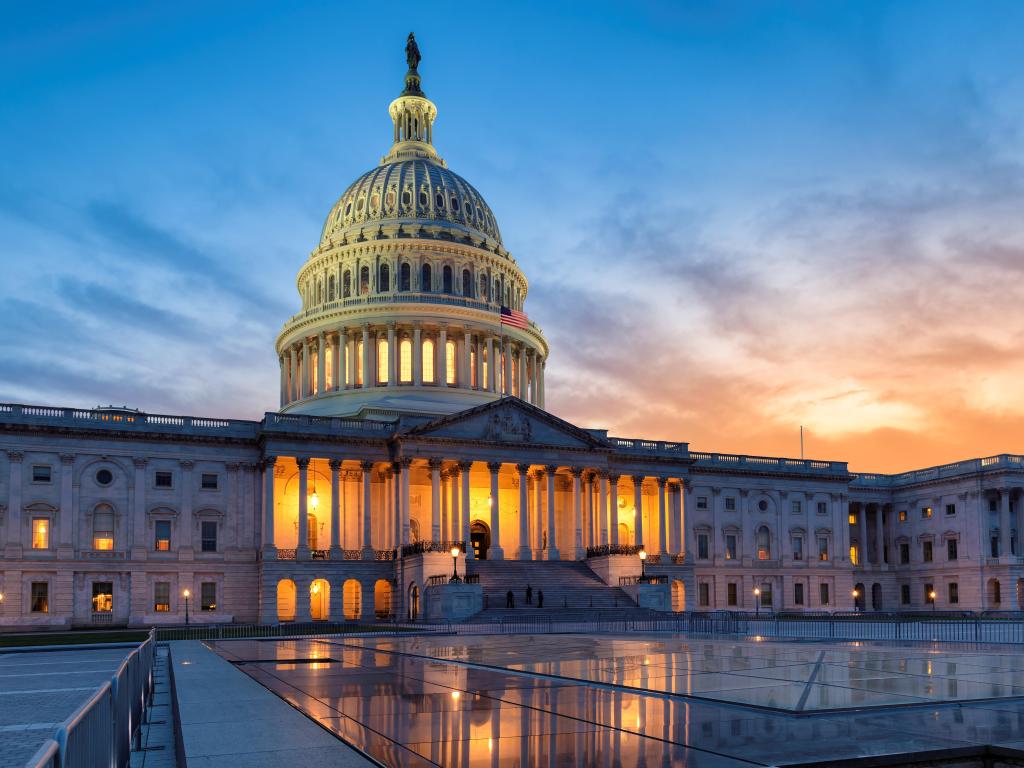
(490, 502)
(455, 695)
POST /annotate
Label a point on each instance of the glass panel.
(428, 361)
(102, 596)
(41, 533)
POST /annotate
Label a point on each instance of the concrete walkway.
(228, 720)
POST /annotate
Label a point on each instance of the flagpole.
(801, 442)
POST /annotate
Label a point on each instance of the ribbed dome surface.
(411, 192)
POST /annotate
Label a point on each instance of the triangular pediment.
(508, 421)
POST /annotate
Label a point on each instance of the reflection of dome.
(407, 193)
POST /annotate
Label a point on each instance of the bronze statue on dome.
(412, 52)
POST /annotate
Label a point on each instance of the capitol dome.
(411, 305)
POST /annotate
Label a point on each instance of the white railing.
(953, 469)
(101, 731)
(768, 462)
(123, 419)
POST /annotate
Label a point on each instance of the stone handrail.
(606, 549)
(967, 466)
(422, 547)
(118, 418)
(649, 446)
(775, 463)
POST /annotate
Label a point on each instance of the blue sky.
(735, 217)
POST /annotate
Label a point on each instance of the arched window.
(474, 380)
(764, 543)
(382, 599)
(352, 599)
(405, 361)
(319, 292)
(508, 296)
(359, 363)
(286, 600)
(425, 286)
(382, 361)
(449, 356)
(346, 284)
(467, 284)
(320, 600)
(329, 367)
(331, 288)
(404, 277)
(484, 293)
(414, 529)
(103, 528)
(428, 361)
(314, 374)
(364, 281)
(446, 280)
(384, 282)
(497, 291)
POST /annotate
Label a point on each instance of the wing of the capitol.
(412, 422)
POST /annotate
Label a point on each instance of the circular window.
(762, 505)
(104, 477)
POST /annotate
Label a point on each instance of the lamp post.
(931, 596)
(643, 569)
(186, 594)
(856, 604)
(455, 564)
(757, 601)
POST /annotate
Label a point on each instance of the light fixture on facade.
(314, 500)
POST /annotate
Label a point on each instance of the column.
(435, 499)
(304, 376)
(602, 497)
(524, 512)
(268, 506)
(506, 385)
(445, 507)
(577, 512)
(367, 467)
(862, 534)
(321, 362)
(496, 551)
(302, 543)
(638, 495)
(368, 375)
(465, 374)
(523, 392)
(880, 533)
(553, 554)
(1004, 523)
(405, 466)
(294, 393)
(677, 518)
(538, 515)
(396, 490)
(441, 357)
(492, 369)
(65, 548)
(661, 516)
(335, 465)
(337, 353)
(455, 507)
(613, 504)
(543, 365)
(417, 357)
(283, 384)
(185, 532)
(480, 383)
(392, 368)
(464, 467)
(350, 368)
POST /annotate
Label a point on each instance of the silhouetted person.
(529, 595)
(510, 599)
(540, 598)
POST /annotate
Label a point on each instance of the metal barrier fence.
(100, 732)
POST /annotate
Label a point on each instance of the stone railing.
(767, 463)
(286, 554)
(286, 422)
(445, 578)
(320, 554)
(125, 419)
(626, 581)
(606, 549)
(649, 446)
(968, 466)
(422, 547)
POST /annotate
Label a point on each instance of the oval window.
(375, 201)
(389, 198)
(104, 477)
(348, 209)
(359, 204)
(439, 200)
(407, 197)
(423, 199)
(762, 505)
(455, 204)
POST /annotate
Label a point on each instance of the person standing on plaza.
(510, 599)
(540, 598)
(529, 595)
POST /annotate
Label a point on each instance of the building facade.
(412, 420)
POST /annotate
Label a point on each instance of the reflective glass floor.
(554, 700)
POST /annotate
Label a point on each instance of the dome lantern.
(413, 115)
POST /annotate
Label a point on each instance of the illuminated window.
(484, 383)
(40, 597)
(730, 546)
(473, 374)
(163, 536)
(382, 361)
(428, 361)
(162, 596)
(823, 548)
(764, 543)
(102, 596)
(314, 374)
(852, 518)
(854, 555)
(40, 533)
(329, 368)
(359, 363)
(926, 513)
(449, 355)
(902, 515)
(208, 596)
(103, 528)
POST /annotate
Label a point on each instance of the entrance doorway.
(480, 538)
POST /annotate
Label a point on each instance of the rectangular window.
(993, 505)
(730, 546)
(472, 369)
(904, 594)
(822, 508)
(359, 363)
(730, 503)
(954, 593)
(40, 533)
(823, 548)
(926, 513)
(103, 530)
(766, 595)
(40, 597)
(162, 597)
(702, 546)
(798, 547)
(102, 597)
(926, 551)
(951, 509)
(450, 377)
(994, 546)
(704, 594)
(383, 367)
(210, 481)
(851, 518)
(951, 549)
(209, 531)
(163, 536)
(702, 502)
(798, 594)
(854, 555)
(928, 593)
(427, 359)
(41, 473)
(796, 507)
(904, 553)
(731, 593)
(163, 480)
(903, 515)
(208, 596)
(823, 595)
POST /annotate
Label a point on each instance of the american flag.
(513, 318)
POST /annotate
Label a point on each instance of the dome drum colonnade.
(588, 509)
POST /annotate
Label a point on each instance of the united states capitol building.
(412, 421)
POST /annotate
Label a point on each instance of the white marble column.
(268, 544)
(294, 392)
(337, 364)
(492, 370)
(186, 533)
(662, 512)
(455, 527)
(369, 375)
(577, 512)
(350, 359)
(435, 499)
(613, 507)
(302, 543)
(464, 467)
(367, 550)
(321, 363)
(538, 515)
(406, 470)
(524, 512)
(543, 365)
(880, 533)
(441, 357)
(506, 384)
(392, 368)
(417, 356)
(549, 472)
(283, 384)
(65, 547)
(638, 496)
(335, 465)
(465, 374)
(1004, 523)
(496, 552)
(523, 390)
(602, 503)
(862, 535)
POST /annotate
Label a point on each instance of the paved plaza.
(541, 700)
(38, 690)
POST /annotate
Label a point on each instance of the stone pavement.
(229, 720)
(156, 735)
(40, 689)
